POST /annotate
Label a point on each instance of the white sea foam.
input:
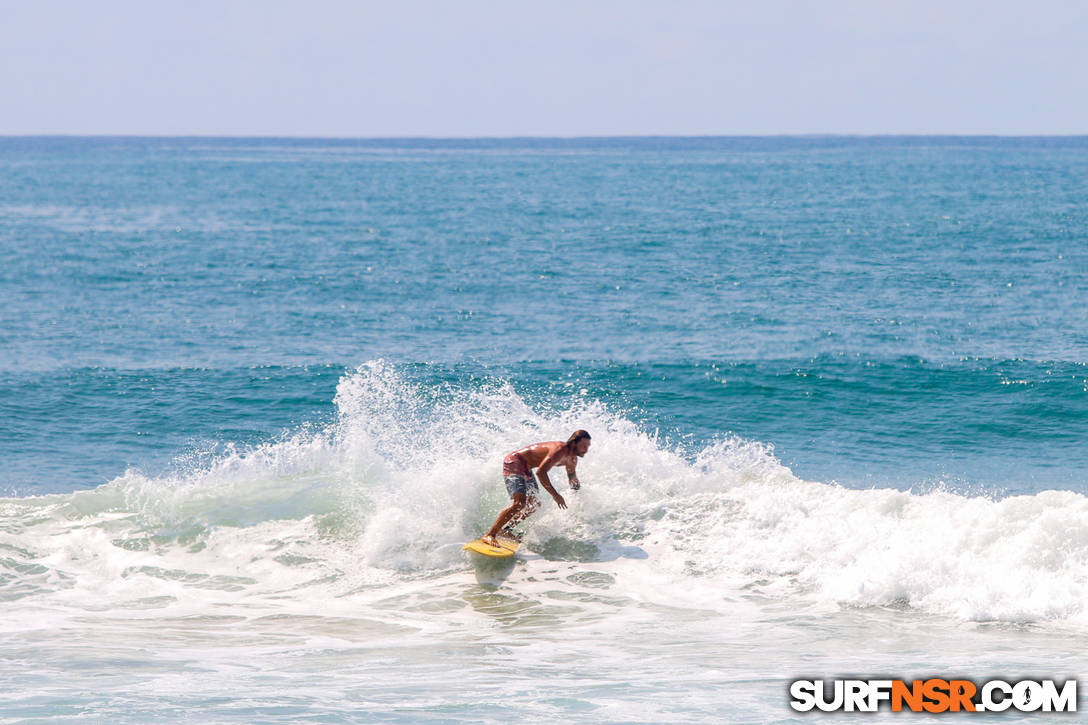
(407, 472)
(321, 577)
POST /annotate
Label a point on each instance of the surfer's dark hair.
(577, 436)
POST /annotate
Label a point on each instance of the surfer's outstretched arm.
(542, 475)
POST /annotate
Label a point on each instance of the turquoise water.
(257, 390)
(915, 305)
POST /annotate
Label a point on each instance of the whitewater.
(255, 395)
(319, 577)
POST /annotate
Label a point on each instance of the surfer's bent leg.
(505, 516)
(523, 489)
(532, 503)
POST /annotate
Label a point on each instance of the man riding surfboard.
(517, 473)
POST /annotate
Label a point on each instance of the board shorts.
(518, 477)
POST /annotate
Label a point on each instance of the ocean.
(255, 394)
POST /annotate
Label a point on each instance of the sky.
(470, 68)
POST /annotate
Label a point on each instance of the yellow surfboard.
(506, 547)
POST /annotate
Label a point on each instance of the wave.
(406, 472)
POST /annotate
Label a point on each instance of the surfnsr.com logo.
(933, 695)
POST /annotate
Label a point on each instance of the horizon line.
(518, 137)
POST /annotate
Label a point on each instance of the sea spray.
(407, 471)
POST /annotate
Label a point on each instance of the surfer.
(517, 472)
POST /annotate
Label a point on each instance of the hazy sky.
(476, 68)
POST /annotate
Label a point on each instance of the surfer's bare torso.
(544, 456)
